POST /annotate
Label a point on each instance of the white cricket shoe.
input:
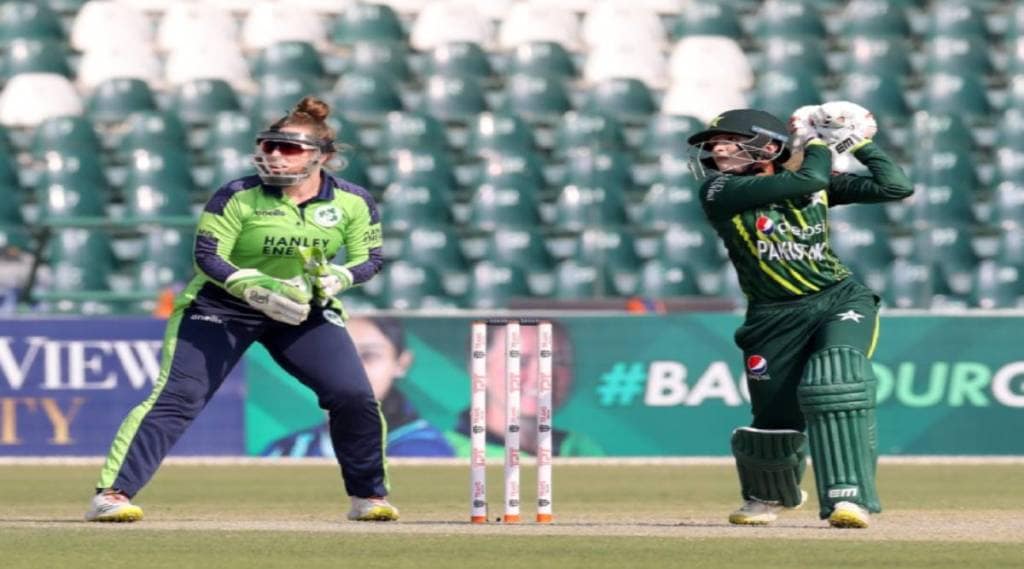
(111, 506)
(374, 509)
(755, 512)
(849, 515)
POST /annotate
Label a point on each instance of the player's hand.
(801, 126)
(283, 300)
(844, 126)
(329, 279)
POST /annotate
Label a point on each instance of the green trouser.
(807, 370)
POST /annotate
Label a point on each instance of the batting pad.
(837, 396)
(770, 464)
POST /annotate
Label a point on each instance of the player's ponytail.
(310, 111)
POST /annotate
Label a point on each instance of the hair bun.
(314, 107)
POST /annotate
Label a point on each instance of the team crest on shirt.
(327, 216)
(757, 368)
(334, 318)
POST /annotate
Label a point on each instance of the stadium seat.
(153, 130)
(909, 285)
(29, 20)
(871, 216)
(460, 59)
(71, 199)
(389, 59)
(615, 21)
(437, 247)
(287, 58)
(784, 54)
(542, 58)
(11, 192)
(498, 132)
(189, 21)
(575, 280)
(492, 285)
(411, 130)
(599, 168)
(269, 22)
(695, 247)
(610, 248)
(365, 97)
(200, 101)
(625, 58)
(957, 56)
(672, 199)
(628, 100)
(522, 171)
(590, 131)
(408, 286)
(780, 93)
(537, 98)
(406, 206)
(997, 286)
(208, 60)
(704, 101)
(228, 164)
(533, 21)
(100, 23)
(440, 23)
(80, 168)
(938, 198)
(166, 258)
(963, 94)
(21, 106)
(710, 60)
(114, 61)
(581, 207)
(15, 236)
(71, 133)
(1010, 129)
(865, 251)
(661, 280)
(354, 169)
(454, 98)
(871, 56)
(33, 56)
(789, 18)
(523, 247)
(114, 99)
(707, 19)
(167, 169)
(950, 18)
(882, 94)
(667, 134)
(947, 248)
(235, 130)
(1008, 204)
(80, 259)
(492, 207)
(156, 201)
(422, 167)
(874, 18)
(277, 95)
(367, 22)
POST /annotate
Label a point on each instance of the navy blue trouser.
(203, 343)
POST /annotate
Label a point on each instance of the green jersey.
(246, 225)
(776, 229)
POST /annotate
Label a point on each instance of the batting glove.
(844, 126)
(329, 279)
(801, 127)
(283, 300)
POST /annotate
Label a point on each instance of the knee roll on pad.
(770, 464)
(837, 397)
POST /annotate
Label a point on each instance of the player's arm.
(725, 196)
(364, 241)
(887, 181)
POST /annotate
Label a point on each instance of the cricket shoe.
(112, 506)
(374, 509)
(756, 512)
(849, 515)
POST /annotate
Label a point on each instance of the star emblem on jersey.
(850, 315)
(327, 216)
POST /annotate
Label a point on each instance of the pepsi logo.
(757, 365)
(765, 225)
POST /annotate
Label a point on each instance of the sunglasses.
(284, 147)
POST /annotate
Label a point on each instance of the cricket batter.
(810, 327)
(261, 253)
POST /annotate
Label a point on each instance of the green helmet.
(760, 126)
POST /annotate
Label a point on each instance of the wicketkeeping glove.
(283, 300)
(329, 279)
(801, 126)
(844, 126)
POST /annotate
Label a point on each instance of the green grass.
(608, 516)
